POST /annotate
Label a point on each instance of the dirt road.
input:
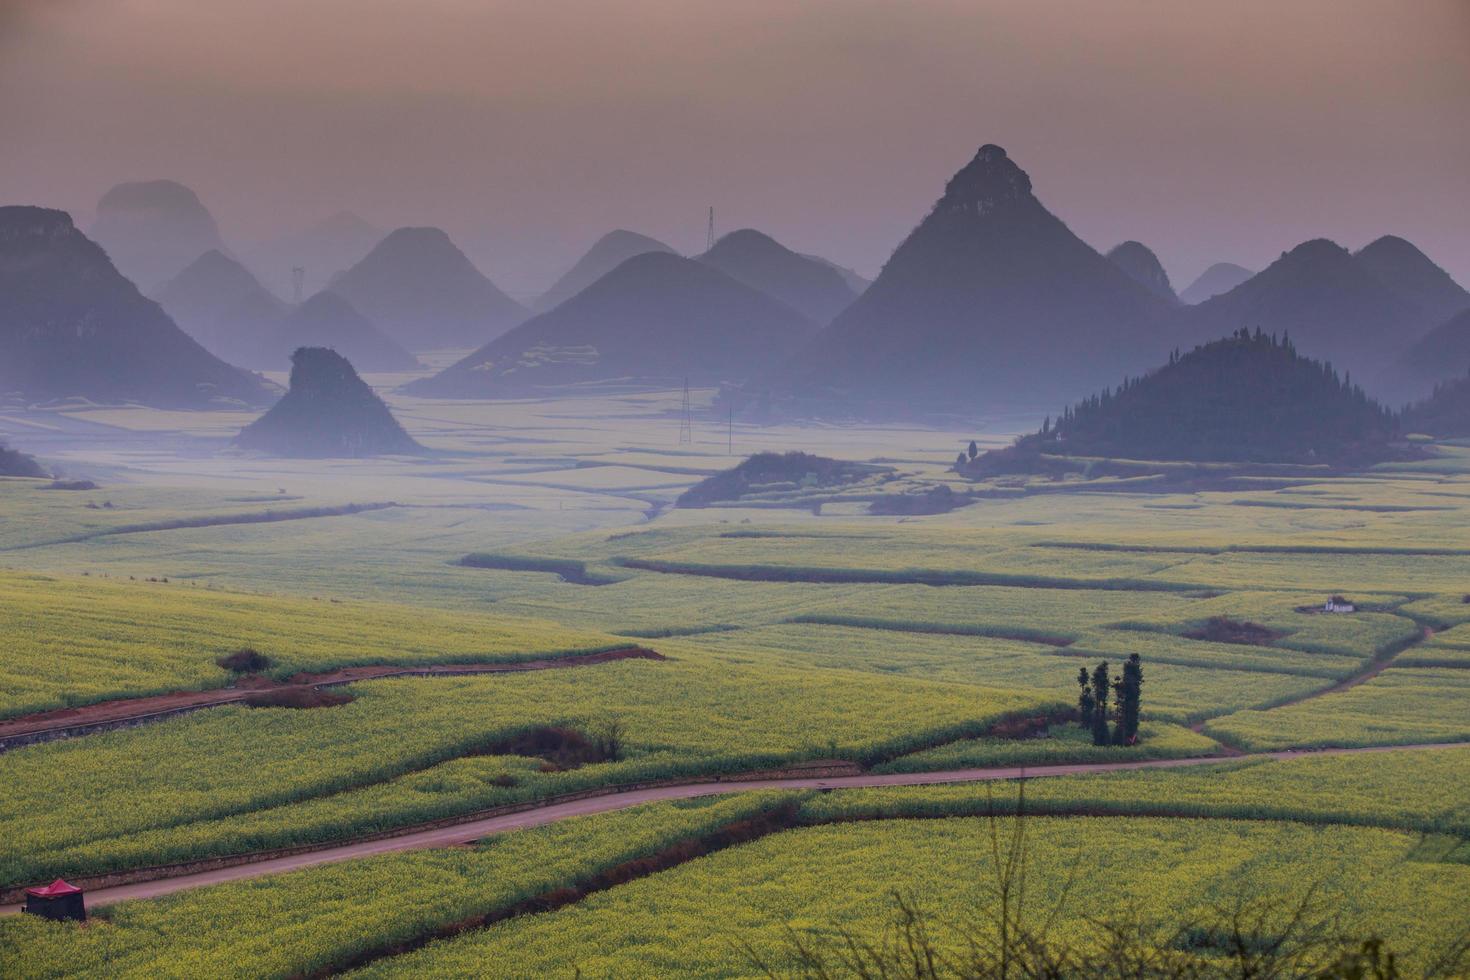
(467, 832)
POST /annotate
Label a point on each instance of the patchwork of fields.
(789, 637)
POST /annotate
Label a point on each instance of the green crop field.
(546, 528)
(687, 920)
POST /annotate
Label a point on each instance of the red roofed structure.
(59, 900)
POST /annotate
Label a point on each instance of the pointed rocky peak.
(812, 288)
(152, 229)
(605, 255)
(22, 223)
(71, 326)
(1144, 268)
(1406, 270)
(425, 293)
(326, 305)
(657, 318)
(1218, 278)
(991, 301)
(152, 195)
(987, 183)
(213, 274)
(328, 412)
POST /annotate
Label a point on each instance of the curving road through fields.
(473, 830)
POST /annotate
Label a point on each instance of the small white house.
(1337, 604)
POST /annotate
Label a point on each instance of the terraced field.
(790, 638)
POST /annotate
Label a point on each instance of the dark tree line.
(1445, 413)
(1126, 696)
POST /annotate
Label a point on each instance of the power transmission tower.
(686, 421)
(298, 279)
(709, 238)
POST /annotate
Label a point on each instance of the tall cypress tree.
(1100, 687)
(1130, 697)
(1084, 699)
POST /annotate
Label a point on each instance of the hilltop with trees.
(1246, 398)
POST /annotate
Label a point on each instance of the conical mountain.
(1333, 308)
(1401, 267)
(422, 291)
(605, 255)
(71, 326)
(328, 412)
(1218, 278)
(328, 320)
(857, 282)
(152, 229)
(1441, 354)
(990, 301)
(320, 251)
(219, 303)
(657, 318)
(811, 288)
(1445, 414)
(1144, 268)
(1247, 398)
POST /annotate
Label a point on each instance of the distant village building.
(1337, 604)
(59, 900)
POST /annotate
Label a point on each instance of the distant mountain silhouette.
(605, 255)
(810, 287)
(152, 229)
(1144, 268)
(320, 250)
(1333, 308)
(219, 303)
(422, 291)
(13, 462)
(1218, 278)
(328, 320)
(328, 412)
(1247, 398)
(1444, 414)
(71, 326)
(856, 282)
(991, 301)
(1439, 355)
(1407, 271)
(656, 318)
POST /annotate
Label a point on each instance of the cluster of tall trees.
(1103, 699)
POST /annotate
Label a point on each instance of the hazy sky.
(1209, 130)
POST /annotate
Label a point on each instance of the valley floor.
(787, 634)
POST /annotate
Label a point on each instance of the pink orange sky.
(1210, 131)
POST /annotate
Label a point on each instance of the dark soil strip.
(779, 573)
(567, 569)
(61, 723)
(742, 832)
(1252, 549)
(218, 520)
(990, 633)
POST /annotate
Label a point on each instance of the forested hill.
(1246, 398)
(1445, 414)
